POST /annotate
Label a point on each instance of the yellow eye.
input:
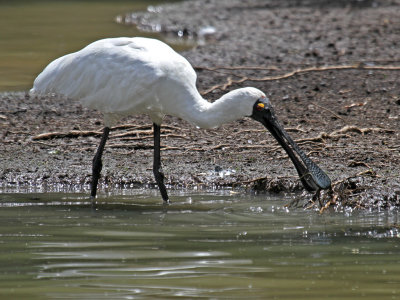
(260, 106)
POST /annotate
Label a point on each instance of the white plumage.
(127, 76)
(130, 76)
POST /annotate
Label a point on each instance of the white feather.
(127, 76)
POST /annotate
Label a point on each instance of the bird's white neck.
(187, 104)
(205, 114)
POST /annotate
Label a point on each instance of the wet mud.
(330, 68)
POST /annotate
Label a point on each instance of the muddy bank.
(346, 119)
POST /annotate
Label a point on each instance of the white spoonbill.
(130, 76)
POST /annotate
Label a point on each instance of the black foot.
(158, 174)
(97, 164)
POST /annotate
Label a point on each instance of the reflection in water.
(205, 245)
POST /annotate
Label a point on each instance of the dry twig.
(69, 134)
(271, 68)
(357, 66)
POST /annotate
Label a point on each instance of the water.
(203, 246)
(35, 32)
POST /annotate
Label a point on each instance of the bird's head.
(312, 177)
(241, 101)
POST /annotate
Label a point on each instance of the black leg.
(157, 170)
(97, 164)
